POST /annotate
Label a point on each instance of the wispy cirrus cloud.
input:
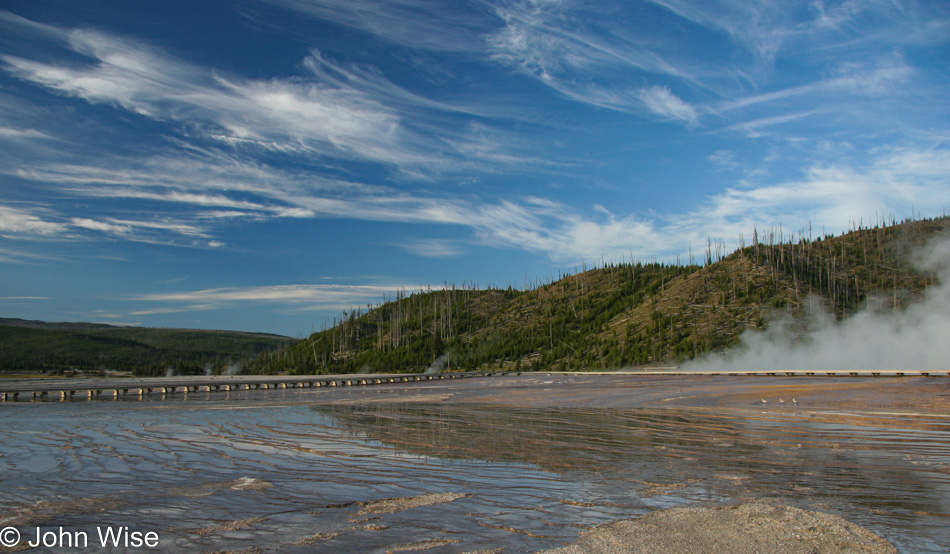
(154, 231)
(352, 112)
(433, 248)
(568, 48)
(827, 196)
(173, 309)
(275, 114)
(661, 101)
(564, 45)
(832, 195)
(754, 128)
(328, 109)
(556, 38)
(763, 28)
(445, 27)
(532, 224)
(299, 296)
(771, 28)
(21, 135)
(24, 221)
(885, 77)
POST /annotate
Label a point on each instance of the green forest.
(617, 315)
(624, 314)
(58, 348)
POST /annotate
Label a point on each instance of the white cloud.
(554, 39)
(884, 79)
(850, 80)
(23, 256)
(661, 101)
(335, 112)
(762, 27)
(355, 112)
(724, 158)
(566, 234)
(166, 232)
(175, 310)
(290, 115)
(105, 227)
(329, 110)
(280, 293)
(754, 128)
(20, 222)
(569, 51)
(125, 74)
(11, 134)
(316, 297)
(769, 28)
(433, 248)
(834, 197)
(830, 195)
(445, 26)
(127, 228)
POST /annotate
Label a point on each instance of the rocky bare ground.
(750, 527)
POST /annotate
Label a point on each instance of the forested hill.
(626, 314)
(57, 347)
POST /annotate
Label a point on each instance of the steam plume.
(233, 368)
(917, 338)
(438, 364)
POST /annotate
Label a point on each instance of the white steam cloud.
(234, 368)
(438, 364)
(912, 339)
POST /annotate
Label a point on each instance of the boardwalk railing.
(120, 387)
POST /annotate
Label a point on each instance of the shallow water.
(301, 470)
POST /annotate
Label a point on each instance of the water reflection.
(364, 470)
(893, 473)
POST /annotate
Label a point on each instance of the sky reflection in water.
(300, 470)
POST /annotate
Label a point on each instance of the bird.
(794, 401)
(781, 400)
(764, 401)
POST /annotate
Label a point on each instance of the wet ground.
(514, 464)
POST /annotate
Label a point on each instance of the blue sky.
(262, 165)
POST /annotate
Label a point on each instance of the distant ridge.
(30, 346)
(85, 326)
(626, 314)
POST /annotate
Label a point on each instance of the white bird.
(794, 401)
(764, 401)
(781, 400)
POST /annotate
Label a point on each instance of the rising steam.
(438, 364)
(234, 368)
(917, 338)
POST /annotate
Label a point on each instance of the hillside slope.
(625, 314)
(56, 347)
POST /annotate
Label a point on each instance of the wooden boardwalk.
(41, 389)
(62, 389)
